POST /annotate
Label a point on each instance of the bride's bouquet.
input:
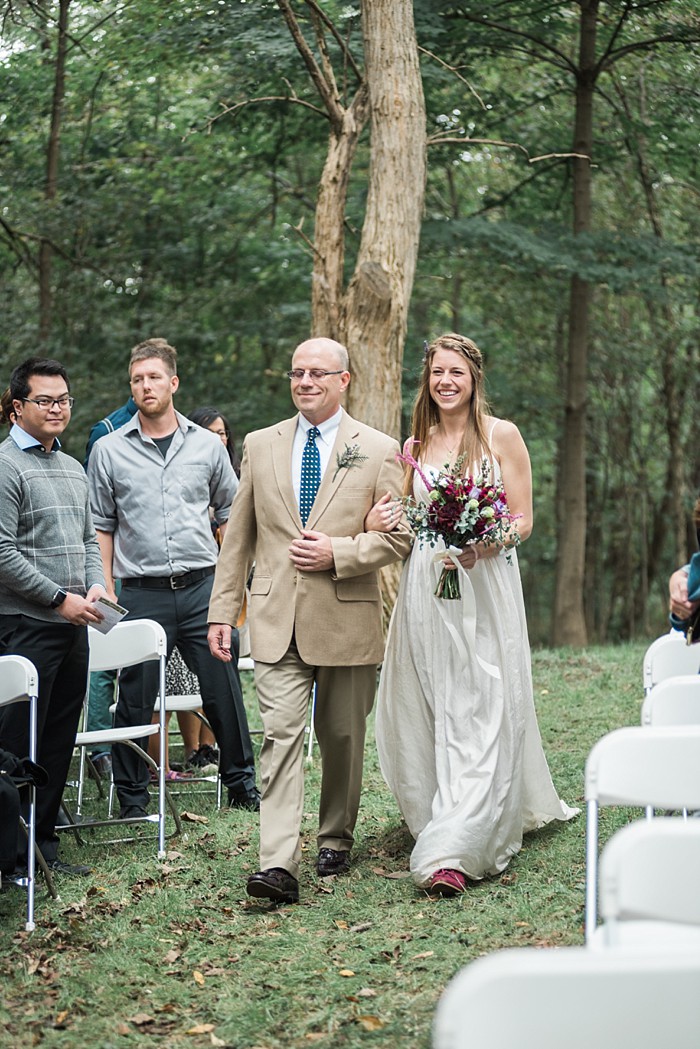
(460, 510)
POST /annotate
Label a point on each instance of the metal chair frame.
(127, 644)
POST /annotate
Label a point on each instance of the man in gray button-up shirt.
(151, 485)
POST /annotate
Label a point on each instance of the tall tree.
(370, 315)
(606, 33)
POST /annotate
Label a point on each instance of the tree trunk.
(375, 309)
(569, 623)
(52, 162)
(329, 229)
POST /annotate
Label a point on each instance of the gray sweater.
(47, 538)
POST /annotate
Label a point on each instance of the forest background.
(236, 174)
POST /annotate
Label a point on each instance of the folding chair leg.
(45, 870)
(591, 869)
(74, 825)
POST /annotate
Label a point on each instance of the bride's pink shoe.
(448, 882)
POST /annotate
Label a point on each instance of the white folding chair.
(669, 656)
(19, 682)
(658, 767)
(131, 642)
(648, 886)
(674, 701)
(572, 998)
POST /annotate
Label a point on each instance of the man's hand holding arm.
(312, 552)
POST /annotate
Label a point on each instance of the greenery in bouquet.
(460, 510)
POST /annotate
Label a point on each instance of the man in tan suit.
(315, 608)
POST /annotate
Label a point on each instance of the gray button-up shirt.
(158, 508)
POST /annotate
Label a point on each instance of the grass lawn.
(174, 954)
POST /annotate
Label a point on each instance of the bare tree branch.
(557, 57)
(453, 69)
(228, 110)
(342, 44)
(327, 93)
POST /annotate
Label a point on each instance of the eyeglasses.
(297, 374)
(44, 404)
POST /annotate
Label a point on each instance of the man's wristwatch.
(59, 597)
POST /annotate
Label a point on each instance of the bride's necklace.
(445, 445)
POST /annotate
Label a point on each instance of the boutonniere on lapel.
(349, 458)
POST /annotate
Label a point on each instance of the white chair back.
(648, 885)
(674, 701)
(669, 656)
(572, 998)
(126, 644)
(658, 767)
(19, 682)
(18, 679)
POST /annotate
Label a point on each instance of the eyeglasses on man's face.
(297, 374)
(45, 404)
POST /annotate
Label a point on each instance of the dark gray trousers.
(183, 616)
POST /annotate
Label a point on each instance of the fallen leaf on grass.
(216, 1041)
(370, 1023)
(390, 874)
(198, 978)
(361, 927)
(123, 1029)
(61, 1018)
(522, 925)
(193, 817)
(423, 954)
(366, 992)
(315, 1036)
(200, 1029)
(342, 925)
(346, 972)
(172, 956)
(140, 1020)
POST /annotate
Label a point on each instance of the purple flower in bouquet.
(460, 511)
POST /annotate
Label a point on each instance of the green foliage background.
(174, 217)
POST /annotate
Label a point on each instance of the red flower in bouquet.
(459, 510)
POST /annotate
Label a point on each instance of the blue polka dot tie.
(310, 474)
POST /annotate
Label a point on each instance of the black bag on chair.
(14, 773)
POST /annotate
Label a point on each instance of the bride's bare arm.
(512, 454)
(514, 460)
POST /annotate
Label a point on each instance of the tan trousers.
(344, 698)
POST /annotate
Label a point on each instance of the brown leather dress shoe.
(330, 861)
(275, 884)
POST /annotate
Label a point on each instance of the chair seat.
(115, 735)
(652, 935)
(179, 703)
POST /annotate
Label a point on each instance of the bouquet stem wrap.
(468, 613)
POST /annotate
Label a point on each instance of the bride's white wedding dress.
(460, 749)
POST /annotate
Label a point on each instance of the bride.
(456, 727)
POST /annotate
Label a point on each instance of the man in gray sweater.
(50, 577)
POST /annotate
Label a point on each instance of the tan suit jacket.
(335, 615)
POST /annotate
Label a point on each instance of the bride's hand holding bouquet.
(463, 511)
